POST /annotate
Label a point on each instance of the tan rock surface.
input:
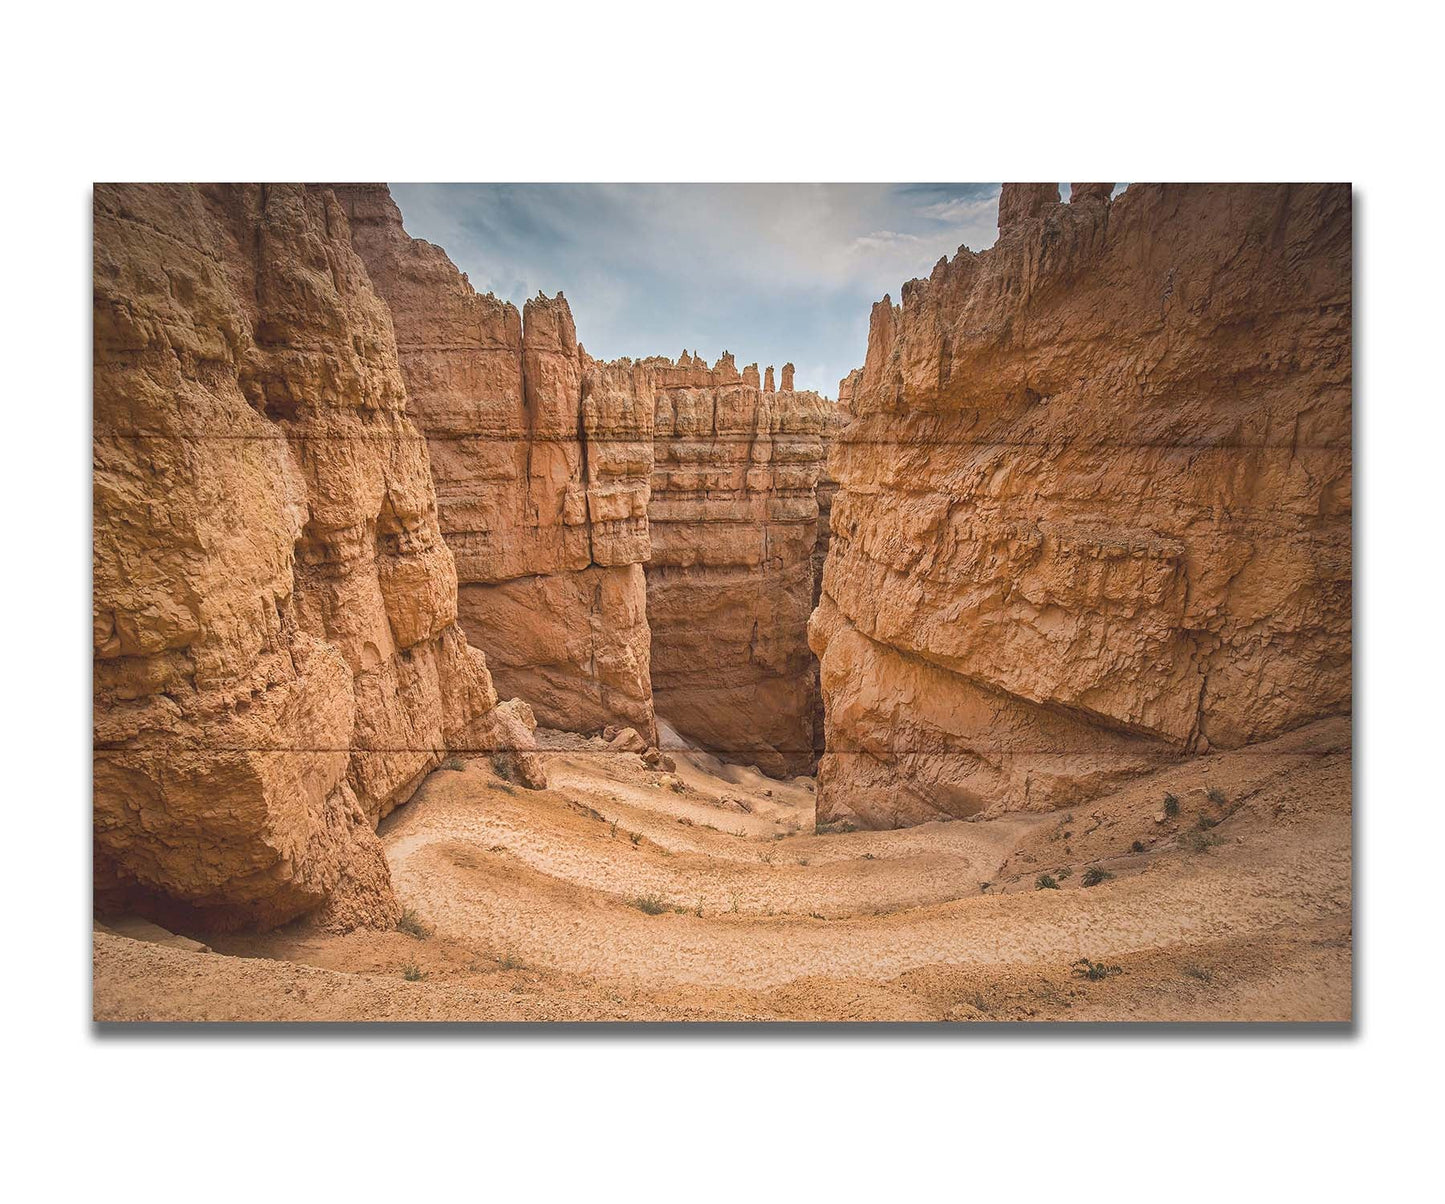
(1094, 510)
(277, 662)
(734, 526)
(541, 457)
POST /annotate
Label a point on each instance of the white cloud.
(776, 272)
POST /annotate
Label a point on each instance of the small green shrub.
(455, 763)
(635, 837)
(1199, 972)
(1171, 805)
(508, 962)
(501, 768)
(651, 904)
(412, 972)
(1137, 847)
(1216, 796)
(1094, 875)
(1046, 882)
(822, 829)
(411, 924)
(1094, 971)
(1197, 841)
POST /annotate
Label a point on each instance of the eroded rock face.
(734, 523)
(277, 661)
(1095, 502)
(541, 457)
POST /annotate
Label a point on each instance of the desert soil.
(613, 895)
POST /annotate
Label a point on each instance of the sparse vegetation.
(869, 857)
(508, 962)
(635, 837)
(411, 924)
(1046, 882)
(612, 830)
(822, 829)
(412, 972)
(1216, 796)
(651, 904)
(1137, 847)
(455, 763)
(1094, 875)
(501, 768)
(979, 1003)
(1094, 971)
(1196, 840)
(1198, 972)
(1171, 805)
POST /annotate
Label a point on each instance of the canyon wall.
(541, 457)
(1094, 509)
(559, 477)
(277, 659)
(734, 522)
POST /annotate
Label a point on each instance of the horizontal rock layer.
(1094, 505)
(734, 522)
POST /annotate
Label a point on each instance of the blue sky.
(770, 272)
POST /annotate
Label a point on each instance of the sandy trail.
(539, 904)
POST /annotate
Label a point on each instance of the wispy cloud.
(771, 272)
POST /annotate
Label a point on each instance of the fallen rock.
(627, 740)
(505, 732)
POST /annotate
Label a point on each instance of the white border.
(752, 91)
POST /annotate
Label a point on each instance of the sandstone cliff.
(277, 662)
(1095, 502)
(734, 522)
(541, 457)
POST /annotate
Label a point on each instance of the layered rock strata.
(1094, 507)
(277, 659)
(730, 585)
(541, 457)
